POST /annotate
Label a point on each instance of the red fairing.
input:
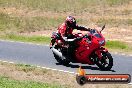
(83, 52)
(86, 48)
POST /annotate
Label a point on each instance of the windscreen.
(95, 33)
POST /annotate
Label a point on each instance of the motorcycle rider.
(68, 26)
(66, 29)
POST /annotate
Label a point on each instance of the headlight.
(101, 42)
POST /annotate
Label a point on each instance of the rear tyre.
(103, 64)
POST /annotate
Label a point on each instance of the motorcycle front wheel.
(106, 62)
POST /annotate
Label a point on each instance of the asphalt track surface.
(41, 55)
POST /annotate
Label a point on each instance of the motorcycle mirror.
(102, 28)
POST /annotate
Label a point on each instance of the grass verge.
(30, 76)
(33, 39)
(27, 76)
(116, 45)
(119, 46)
(6, 82)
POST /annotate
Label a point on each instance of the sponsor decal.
(83, 78)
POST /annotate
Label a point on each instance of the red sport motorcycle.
(85, 49)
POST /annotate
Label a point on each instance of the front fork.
(99, 51)
(52, 42)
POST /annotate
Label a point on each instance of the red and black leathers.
(64, 30)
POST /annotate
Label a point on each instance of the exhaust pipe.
(57, 52)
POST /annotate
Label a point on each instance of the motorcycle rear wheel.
(102, 63)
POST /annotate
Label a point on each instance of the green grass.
(119, 46)
(33, 39)
(6, 82)
(116, 45)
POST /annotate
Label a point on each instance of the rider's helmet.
(70, 21)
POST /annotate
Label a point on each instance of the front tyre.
(106, 62)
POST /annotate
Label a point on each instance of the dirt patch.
(47, 33)
(24, 12)
(13, 11)
(124, 35)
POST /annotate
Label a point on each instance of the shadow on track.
(84, 67)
